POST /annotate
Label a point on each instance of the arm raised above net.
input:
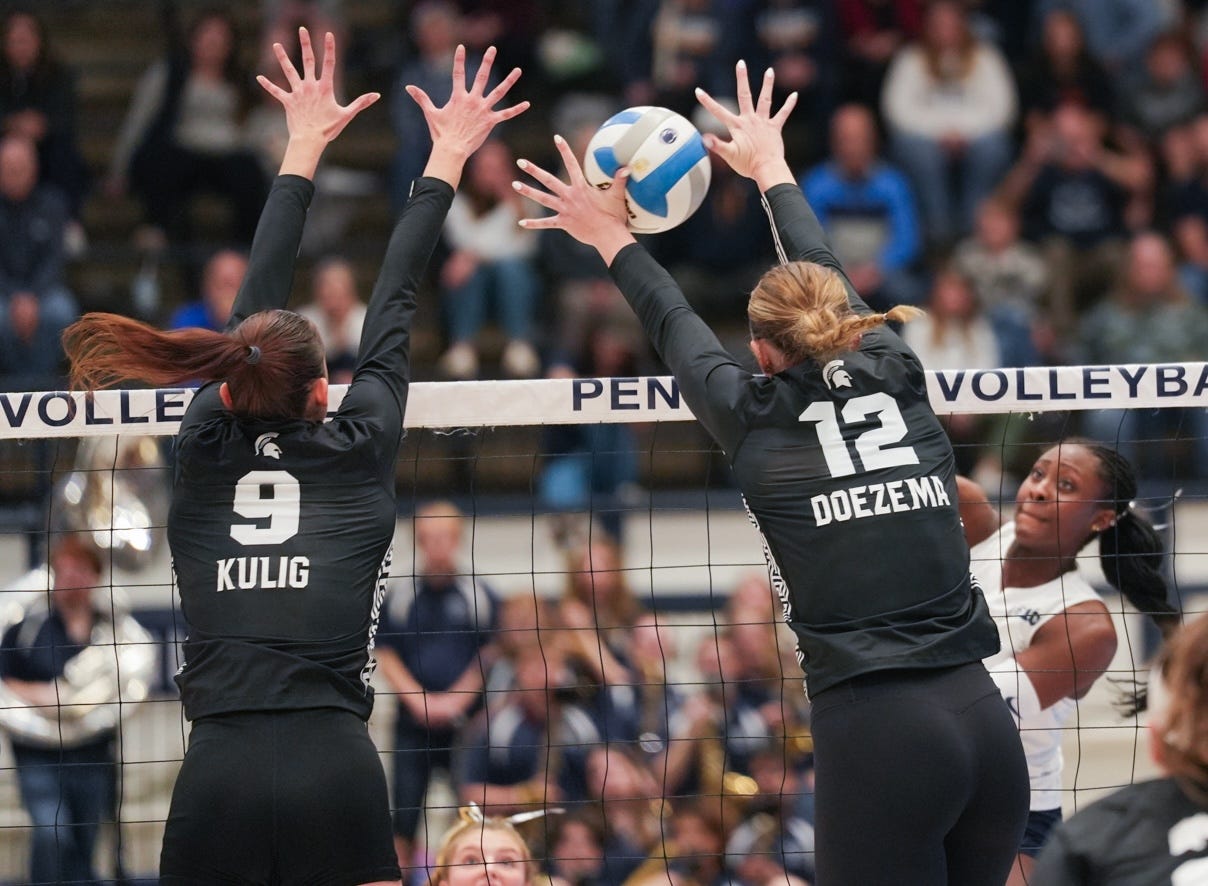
(458, 129)
(314, 119)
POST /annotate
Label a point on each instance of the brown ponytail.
(268, 362)
(802, 308)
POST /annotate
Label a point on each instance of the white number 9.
(280, 507)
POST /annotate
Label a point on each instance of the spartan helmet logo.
(835, 375)
(266, 447)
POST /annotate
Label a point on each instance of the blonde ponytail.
(803, 309)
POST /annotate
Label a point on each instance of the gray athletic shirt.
(844, 469)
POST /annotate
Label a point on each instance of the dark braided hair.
(1130, 552)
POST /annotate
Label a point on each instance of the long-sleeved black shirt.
(845, 470)
(280, 531)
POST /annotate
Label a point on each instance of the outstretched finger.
(496, 95)
(764, 108)
(545, 198)
(513, 111)
(569, 161)
(723, 114)
(361, 102)
(287, 66)
(743, 85)
(308, 54)
(545, 223)
(484, 71)
(723, 149)
(329, 57)
(459, 69)
(787, 108)
(421, 98)
(272, 88)
(548, 179)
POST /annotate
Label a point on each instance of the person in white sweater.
(949, 101)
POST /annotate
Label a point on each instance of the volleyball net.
(646, 686)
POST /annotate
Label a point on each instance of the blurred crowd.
(582, 701)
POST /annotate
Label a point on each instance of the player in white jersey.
(1057, 635)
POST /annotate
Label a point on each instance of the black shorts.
(281, 797)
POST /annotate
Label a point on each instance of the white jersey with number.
(1019, 614)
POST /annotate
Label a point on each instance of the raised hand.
(462, 124)
(756, 145)
(311, 109)
(595, 216)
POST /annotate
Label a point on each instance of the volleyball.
(668, 165)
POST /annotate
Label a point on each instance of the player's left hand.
(311, 109)
(595, 216)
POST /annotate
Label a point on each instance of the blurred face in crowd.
(487, 856)
(1150, 267)
(22, 41)
(220, 284)
(1167, 61)
(1062, 36)
(491, 169)
(997, 226)
(1077, 137)
(435, 27)
(212, 42)
(599, 572)
(18, 168)
(335, 290)
(75, 576)
(951, 296)
(577, 854)
(438, 540)
(945, 27)
(854, 140)
(539, 669)
(650, 644)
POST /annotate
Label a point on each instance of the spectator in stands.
(478, 850)
(630, 804)
(955, 333)
(492, 262)
(1118, 32)
(37, 306)
(591, 467)
(436, 29)
(1063, 71)
(1149, 318)
(1164, 94)
(737, 726)
(434, 628)
(1009, 277)
(339, 315)
(220, 281)
(1151, 831)
(1191, 234)
(773, 840)
(689, 41)
(67, 791)
(1074, 192)
(949, 101)
(184, 132)
(868, 211)
(38, 101)
(873, 32)
(798, 39)
(527, 752)
(695, 844)
(576, 849)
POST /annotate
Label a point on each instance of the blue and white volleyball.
(668, 165)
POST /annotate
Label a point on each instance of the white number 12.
(875, 446)
(281, 507)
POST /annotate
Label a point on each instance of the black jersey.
(845, 470)
(280, 531)
(1147, 834)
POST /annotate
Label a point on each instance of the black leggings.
(921, 779)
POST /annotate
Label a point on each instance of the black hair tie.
(253, 355)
